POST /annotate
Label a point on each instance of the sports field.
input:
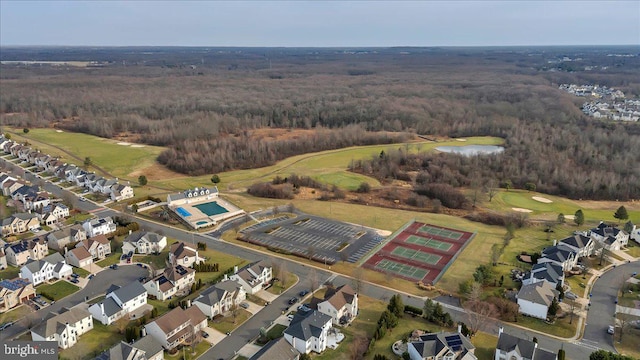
(419, 252)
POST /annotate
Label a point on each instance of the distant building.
(102, 226)
(192, 195)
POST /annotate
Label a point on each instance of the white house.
(547, 271)
(64, 328)
(98, 246)
(192, 195)
(559, 255)
(514, 348)
(220, 298)
(147, 348)
(611, 238)
(635, 234)
(144, 242)
(183, 254)
(534, 299)
(580, 244)
(308, 331)
(39, 271)
(341, 304)
(254, 277)
(101, 226)
(119, 303)
(170, 282)
(121, 192)
(441, 346)
(177, 326)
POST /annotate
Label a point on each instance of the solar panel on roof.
(162, 280)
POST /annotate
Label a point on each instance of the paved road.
(96, 287)
(601, 314)
(226, 348)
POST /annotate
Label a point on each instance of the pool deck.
(198, 219)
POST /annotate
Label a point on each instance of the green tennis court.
(416, 255)
(453, 235)
(435, 244)
(404, 270)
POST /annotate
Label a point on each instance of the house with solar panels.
(19, 253)
(442, 345)
(15, 292)
(172, 281)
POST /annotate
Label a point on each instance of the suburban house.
(277, 349)
(39, 271)
(170, 282)
(20, 252)
(121, 192)
(534, 299)
(611, 238)
(580, 244)
(514, 348)
(254, 277)
(78, 257)
(146, 348)
(192, 195)
(220, 298)
(308, 331)
(559, 255)
(52, 213)
(177, 327)
(8, 187)
(15, 292)
(182, 254)
(25, 191)
(98, 246)
(59, 239)
(36, 201)
(546, 271)
(19, 223)
(101, 226)
(144, 242)
(65, 328)
(103, 185)
(119, 303)
(442, 345)
(341, 304)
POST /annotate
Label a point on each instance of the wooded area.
(209, 108)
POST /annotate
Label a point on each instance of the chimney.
(459, 328)
(555, 242)
(500, 330)
(225, 277)
(129, 231)
(235, 269)
(144, 331)
(102, 307)
(188, 303)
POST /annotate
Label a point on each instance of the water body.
(471, 150)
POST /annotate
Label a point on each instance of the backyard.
(57, 290)
(229, 323)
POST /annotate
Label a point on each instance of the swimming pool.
(211, 208)
(183, 212)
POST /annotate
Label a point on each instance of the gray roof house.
(147, 348)
(219, 298)
(144, 242)
(580, 244)
(534, 299)
(277, 349)
(546, 271)
(559, 255)
(119, 303)
(308, 331)
(442, 345)
(513, 347)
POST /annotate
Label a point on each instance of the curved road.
(600, 315)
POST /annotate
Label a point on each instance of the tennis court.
(418, 255)
(435, 244)
(403, 270)
(453, 235)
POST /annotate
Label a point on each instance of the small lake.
(471, 150)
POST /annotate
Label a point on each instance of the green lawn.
(119, 160)
(276, 331)
(485, 345)
(156, 261)
(9, 273)
(629, 345)
(279, 287)
(346, 179)
(57, 290)
(225, 261)
(80, 271)
(633, 249)
(93, 343)
(114, 258)
(560, 328)
(201, 348)
(228, 324)
(15, 314)
(162, 306)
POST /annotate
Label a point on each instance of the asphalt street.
(600, 315)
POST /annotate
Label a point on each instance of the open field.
(118, 160)
(15, 314)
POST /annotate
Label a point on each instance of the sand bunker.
(461, 139)
(124, 143)
(522, 210)
(137, 146)
(59, 131)
(570, 217)
(542, 199)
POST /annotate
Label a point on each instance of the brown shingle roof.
(341, 296)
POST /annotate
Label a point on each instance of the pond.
(471, 150)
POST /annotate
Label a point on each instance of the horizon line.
(321, 47)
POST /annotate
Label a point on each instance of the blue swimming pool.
(183, 212)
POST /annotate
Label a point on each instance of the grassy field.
(485, 345)
(9, 273)
(560, 328)
(57, 290)
(93, 343)
(82, 272)
(280, 287)
(15, 314)
(228, 323)
(114, 258)
(119, 160)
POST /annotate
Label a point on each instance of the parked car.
(82, 198)
(75, 281)
(4, 326)
(205, 334)
(36, 307)
(303, 293)
(90, 277)
(293, 300)
(114, 266)
(244, 305)
(75, 276)
(611, 330)
(290, 317)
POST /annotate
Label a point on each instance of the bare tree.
(358, 279)
(313, 280)
(491, 189)
(358, 347)
(477, 314)
(122, 323)
(234, 309)
(284, 274)
(624, 320)
(475, 292)
(311, 251)
(344, 256)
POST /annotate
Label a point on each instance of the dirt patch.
(522, 210)
(461, 139)
(137, 146)
(124, 143)
(542, 199)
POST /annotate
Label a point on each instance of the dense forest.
(209, 107)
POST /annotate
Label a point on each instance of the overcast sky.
(319, 23)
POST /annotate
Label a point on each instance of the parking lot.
(320, 239)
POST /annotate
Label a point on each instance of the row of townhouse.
(539, 285)
(70, 172)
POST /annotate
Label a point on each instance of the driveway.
(215, 336)
(266, 296)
